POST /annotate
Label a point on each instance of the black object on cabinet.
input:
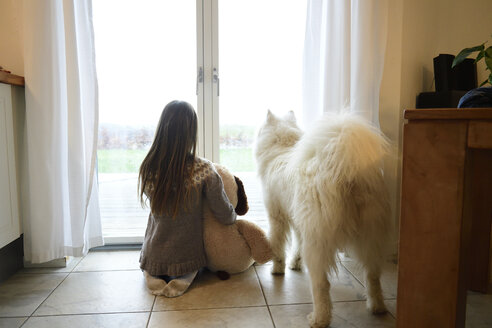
(451, 83)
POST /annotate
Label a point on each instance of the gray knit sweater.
(175, 246)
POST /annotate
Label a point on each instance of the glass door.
(146, 55)
(232, 60)
(260, 46)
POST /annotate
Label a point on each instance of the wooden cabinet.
(445, 221)
(9, 209)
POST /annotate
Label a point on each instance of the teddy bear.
(233, 248)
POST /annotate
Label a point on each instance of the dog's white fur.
(327, 186)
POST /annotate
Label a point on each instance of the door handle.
(216, 79)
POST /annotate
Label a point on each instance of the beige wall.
(11, 51)
(439, 26)
(419, 30)
(390, 102)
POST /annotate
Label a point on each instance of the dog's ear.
(242, 201)
(291, 116)
(271, 118)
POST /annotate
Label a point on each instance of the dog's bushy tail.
(339, 162)
(341, 148)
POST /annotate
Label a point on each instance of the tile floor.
(106, 289)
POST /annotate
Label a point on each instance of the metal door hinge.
(199, 78)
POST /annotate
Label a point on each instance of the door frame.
(208, 89)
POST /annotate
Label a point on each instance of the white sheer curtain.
(60, 208)
(343, 57)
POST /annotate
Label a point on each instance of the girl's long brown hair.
(168, 166)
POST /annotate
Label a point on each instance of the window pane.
(146, 57)
(260, 53)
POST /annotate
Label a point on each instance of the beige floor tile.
(99, 292)
(294, 286)
(391, 306)
(345, 314)
(11, 322)
(109, 260)
(478, 311)
(70, 266)
(252, 317)
(293, 315)
(113, 320)
(207, 291)
(21, 294)
(389, 277)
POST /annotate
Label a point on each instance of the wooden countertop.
(11, 79)
(449, 114)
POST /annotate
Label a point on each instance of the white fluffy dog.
(327, 185)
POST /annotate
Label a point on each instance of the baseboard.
(11, 258)
(57, 263)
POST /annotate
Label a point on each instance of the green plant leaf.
(480, 56)
(488, 58)
(465, 53)
(488, 62)
(484, 82)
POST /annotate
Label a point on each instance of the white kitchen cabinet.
(9, 210)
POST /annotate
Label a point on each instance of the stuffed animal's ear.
(242, 201)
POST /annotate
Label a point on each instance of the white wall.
(11, 49)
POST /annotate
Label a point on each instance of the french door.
(150, 52)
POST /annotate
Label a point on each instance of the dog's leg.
(371, 261)
(320, 288)
(296, 263)
(375, 302)
(372, 268)
(278, 238)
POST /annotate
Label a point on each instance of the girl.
(176, 182)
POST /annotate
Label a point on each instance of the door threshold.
(117, 247)
(120, 243)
